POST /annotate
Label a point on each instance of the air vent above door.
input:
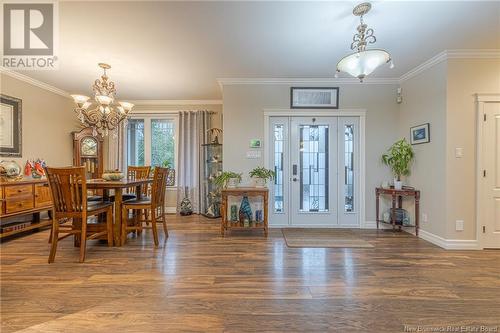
(314, 98)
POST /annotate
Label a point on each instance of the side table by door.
(397, 197)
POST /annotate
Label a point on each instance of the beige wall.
(244, 120)
(48, 121)
(466, 77)
(424, 101)
(444, 96)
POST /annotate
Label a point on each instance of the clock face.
(89, 147)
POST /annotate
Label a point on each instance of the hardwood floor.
(198, 281)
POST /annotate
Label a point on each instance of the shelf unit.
(210, 194)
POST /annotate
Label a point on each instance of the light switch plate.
(425, 218)
(459, 152)
(459, 225)
(254, 154)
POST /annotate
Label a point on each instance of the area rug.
(308, 237)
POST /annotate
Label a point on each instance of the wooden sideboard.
(26, 196)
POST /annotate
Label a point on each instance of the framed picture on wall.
(10, 126)
(420, 134)
(314, 98)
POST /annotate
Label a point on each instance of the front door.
(316, 164)
(490, 200)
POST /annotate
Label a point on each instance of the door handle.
(295, 179)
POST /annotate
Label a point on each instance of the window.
(151, 140)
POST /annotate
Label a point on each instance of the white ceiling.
(176, 50)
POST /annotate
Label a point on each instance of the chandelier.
(102, 113)
(363, 62)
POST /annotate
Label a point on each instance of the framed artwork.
(420, 134)
(10, 126)
(314, 98)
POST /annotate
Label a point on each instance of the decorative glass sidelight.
(349, 168)
(313, 168)
(278, 167)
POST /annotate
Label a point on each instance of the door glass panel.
(313, 168)
(278, 168)
(349, 168)
(135, 140)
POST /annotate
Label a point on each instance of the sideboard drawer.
(18, 190)
(19, 204)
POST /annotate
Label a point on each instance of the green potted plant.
(399, 158)
(261, 176)
(228, 179)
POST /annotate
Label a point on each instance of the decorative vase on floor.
(186, 206)
(245, 209)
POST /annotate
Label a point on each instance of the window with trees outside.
(152, 141)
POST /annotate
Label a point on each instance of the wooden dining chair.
(155, 206)
(69, 195)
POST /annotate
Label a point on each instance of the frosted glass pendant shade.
(361, 64)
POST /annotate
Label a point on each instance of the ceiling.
(177, 50)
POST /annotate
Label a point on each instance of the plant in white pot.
(228, 179)
(399, 158)
(261, 175)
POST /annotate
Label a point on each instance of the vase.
(234, 213)
(245, 209)
(398, 184)
(186, 206)
(260, 182)
(232, 182)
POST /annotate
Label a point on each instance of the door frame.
(361, 113)
(481, 99)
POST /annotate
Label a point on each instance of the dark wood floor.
(198, 281)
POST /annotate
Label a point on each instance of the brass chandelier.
(103, 113)
(363, 61)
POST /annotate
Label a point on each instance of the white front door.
(316, 160)
(490, 196)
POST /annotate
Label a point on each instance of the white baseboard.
(171, 210)
(449, 244)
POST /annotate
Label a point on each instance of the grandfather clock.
(88, 152)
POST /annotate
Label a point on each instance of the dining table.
(118, 186)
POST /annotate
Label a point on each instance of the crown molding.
(291, 81)
(34, 82)
(450, 54)
(170, 102)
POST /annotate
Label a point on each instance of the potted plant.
(399, 158)
(228, 179)
(261, 176)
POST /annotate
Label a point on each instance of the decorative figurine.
(186, 206)
(245, 209)
(234, 213)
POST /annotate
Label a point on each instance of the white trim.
(170, 102)
(292, 81)
(487, 97)
(361, 113)
(171, 210)
(34, 82)
(481, 99)
(449, 244)
(450, 54)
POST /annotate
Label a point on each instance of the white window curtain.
(193, 126)
(116, 149)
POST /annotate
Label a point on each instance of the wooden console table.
(22, 197)
(397, 195)
(241, 192)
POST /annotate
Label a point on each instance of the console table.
(241, 192)
(22, 197)
(397, 196)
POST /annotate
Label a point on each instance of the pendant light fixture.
(364, 61)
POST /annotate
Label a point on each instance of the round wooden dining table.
(117, 186)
